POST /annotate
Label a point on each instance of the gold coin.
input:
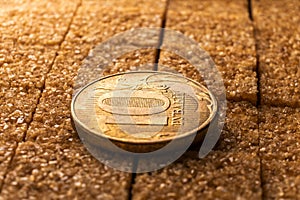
(142, 111)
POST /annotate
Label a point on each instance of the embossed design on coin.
(144, 107)
(135, 103)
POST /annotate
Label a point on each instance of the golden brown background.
(255, 45)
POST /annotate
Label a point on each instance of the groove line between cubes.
(258, 102)
(161, 36)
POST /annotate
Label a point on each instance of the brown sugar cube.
(240, 84)
(240, 132)
(34, 22)
(86, 32)
(26, 66)
(189, 178)
(61, 164)
(277, 33)
(279, 150)
(224, 30)
(217, 176)
(95, 23)
(31, 33)
(63, 170)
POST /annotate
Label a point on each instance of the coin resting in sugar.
(145, 106)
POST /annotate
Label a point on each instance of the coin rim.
(117, 139)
